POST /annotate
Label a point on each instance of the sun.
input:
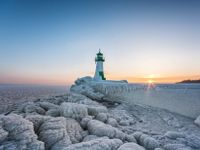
(150, 81)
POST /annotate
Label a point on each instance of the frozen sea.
(12, 93)
(179, 98)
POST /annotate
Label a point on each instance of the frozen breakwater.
(88, 119)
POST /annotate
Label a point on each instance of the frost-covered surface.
(88, 118)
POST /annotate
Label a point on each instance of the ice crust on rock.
(96, 144)
(112, 122)
(130, 146)
(85, 121)
(91, 137)
(73, 110)
(31, 108)
(102, 117)
(53, 133)
(47, 105)
(174, 135)
(80, 99)
(95, 110)
(176, 147)
(146, 141)
(98, 128)
(20, 133)
(74, 130)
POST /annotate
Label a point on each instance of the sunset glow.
(142, 42)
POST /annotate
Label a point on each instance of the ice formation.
(197, 121)
(98, 128)
(97, 144)
(92, 117)
(131, 146)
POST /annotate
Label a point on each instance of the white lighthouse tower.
(99, 73)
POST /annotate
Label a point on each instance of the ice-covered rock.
(87, 90)
(124, 122)
(95, 110)
(54, 134)
(20, 133)
(90, 137)
(37, 120)
(53, 112)
(102, 117)
(73, 110)
(80, 99)
(3, 134)
(112, 122)
(47, 105)
(85, 121)
(98, 128)
(74, 130)
(176, 147)
(197, 121)
(192, 141)
(31, 108)
(97, 144)
(146, 141)
(130, 146)
(130, 138)
(174, 134)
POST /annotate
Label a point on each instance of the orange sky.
(64, 79)
(151, 78)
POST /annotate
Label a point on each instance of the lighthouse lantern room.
(99, 73)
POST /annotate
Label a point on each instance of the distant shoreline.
(189, 81)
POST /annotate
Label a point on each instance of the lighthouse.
(99, 73)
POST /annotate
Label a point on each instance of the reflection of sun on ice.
(151, 84)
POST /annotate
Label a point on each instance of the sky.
(55, 41)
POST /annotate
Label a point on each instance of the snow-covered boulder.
(87, 90)
(124, 122)
(20, 133)
(3, 134)
(130, 138)
(54, 134)
(85, 121)
(112, 122)
(174, 134)
(37, 120)
(98, 128)
(53, 112)
(102, 117)
(146, 141)
(74, 130)
(47, 105)
(80, 99)
(192, 141)
(30, 108)
(130, 146)
(73, 110)
(91, 137)
(97, 144)
(95, 110)
(197, 121)
(176, 147)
